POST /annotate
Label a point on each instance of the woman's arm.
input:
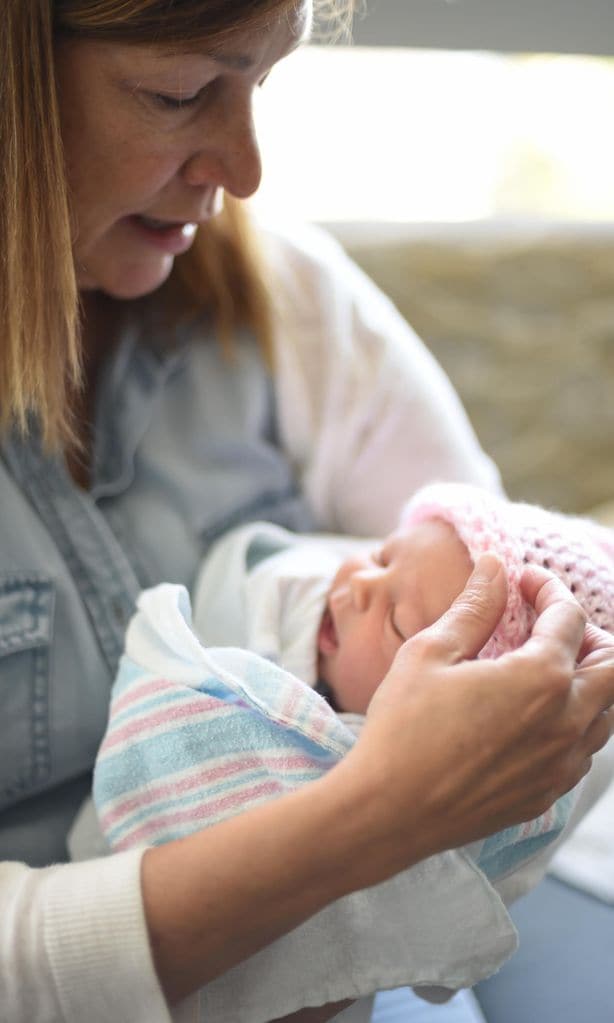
(74, 943)
(415, 783)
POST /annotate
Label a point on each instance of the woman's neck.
(100, 318)
(99, 325)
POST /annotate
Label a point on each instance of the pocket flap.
(26, 611)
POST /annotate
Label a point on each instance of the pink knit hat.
(578, 551)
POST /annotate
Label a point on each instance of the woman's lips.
(328, 640)
(170, 237)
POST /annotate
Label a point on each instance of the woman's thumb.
(471, 620)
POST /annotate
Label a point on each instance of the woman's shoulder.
(311, 269)
(318, 288)
(301, 244)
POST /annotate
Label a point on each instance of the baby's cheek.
(359, 680)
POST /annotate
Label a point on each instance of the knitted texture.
(578, 551)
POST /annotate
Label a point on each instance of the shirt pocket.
(26, 625)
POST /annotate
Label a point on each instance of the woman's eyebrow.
(237, 61)
(240, 61)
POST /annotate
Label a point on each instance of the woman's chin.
(134, 281)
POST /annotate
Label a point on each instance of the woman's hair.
(40, 350)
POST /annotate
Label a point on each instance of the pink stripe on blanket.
(319, 724)
(288, 709)
(539, 826)
(140, 690)
(190, 708)
(205, 776)
(199, 813)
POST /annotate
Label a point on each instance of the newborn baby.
(199, 729)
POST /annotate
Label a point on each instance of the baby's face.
(378, 600)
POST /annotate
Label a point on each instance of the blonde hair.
(40, 350)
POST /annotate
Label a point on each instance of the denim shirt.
(186, 445)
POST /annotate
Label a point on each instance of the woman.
(131, 441)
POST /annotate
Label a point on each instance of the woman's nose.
(229, 157)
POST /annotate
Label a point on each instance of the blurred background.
(447, 110)
(462, 151)
(388, 134)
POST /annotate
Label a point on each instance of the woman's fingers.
(589, 695)
(462, 631)
(560, 618)
(593, 693)
(596, 646)
(599, 732)
(491, 742)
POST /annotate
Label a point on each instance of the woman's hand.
(459, 748)
(452, 750)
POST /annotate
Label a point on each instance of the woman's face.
(152, 138)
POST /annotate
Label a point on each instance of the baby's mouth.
(328, 641)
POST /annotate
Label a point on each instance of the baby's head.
(377, 602)
(379, 599)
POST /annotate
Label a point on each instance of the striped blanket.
(196, 735)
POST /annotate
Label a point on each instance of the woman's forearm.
(217, 897)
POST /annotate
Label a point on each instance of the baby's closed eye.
(393, 625)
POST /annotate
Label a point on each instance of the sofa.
(522, 319)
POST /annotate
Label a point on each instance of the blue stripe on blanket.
(504, 852)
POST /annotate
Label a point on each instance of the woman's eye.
(168, 101)
(174, 102)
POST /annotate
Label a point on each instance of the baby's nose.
(362, 587)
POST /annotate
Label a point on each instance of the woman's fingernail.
(486, 568)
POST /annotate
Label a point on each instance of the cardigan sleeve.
(366, 413)
(80, 930)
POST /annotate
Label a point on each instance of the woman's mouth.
(172, 237)
(328, 641)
